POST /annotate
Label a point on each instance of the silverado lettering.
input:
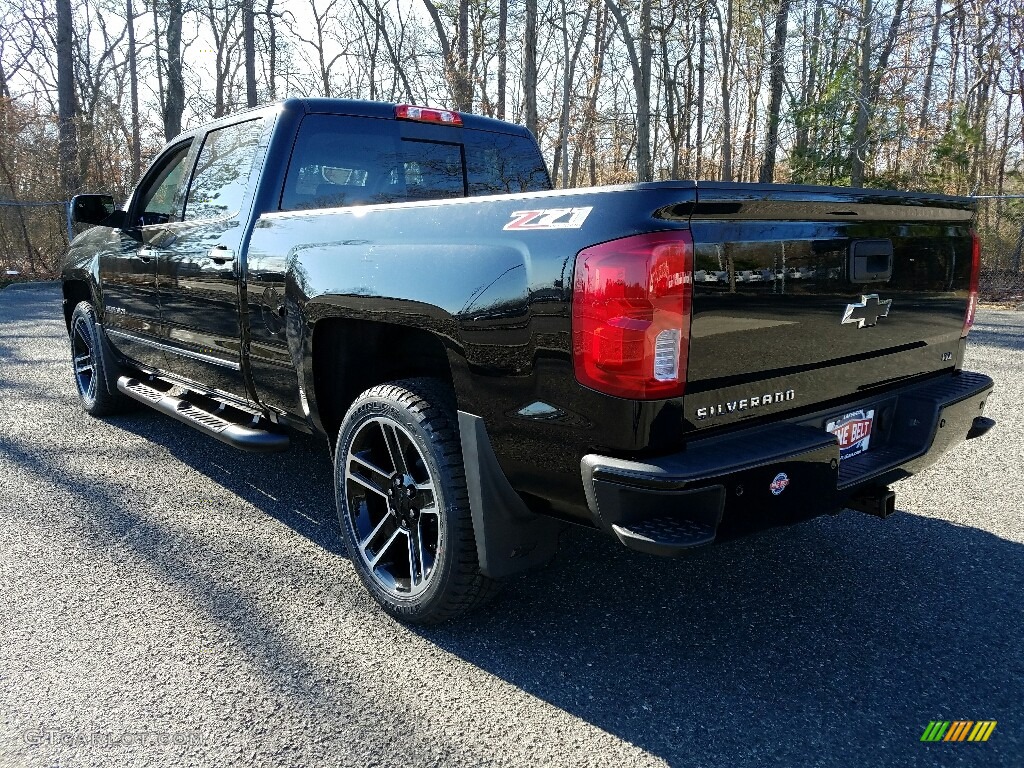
(741, 405)
(488, 359)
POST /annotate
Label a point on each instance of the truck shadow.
(847, 633)
(837, 637)
(295, 487)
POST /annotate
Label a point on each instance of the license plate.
(853, 430)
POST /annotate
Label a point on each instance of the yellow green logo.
(958, 730)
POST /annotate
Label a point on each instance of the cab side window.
(500, 163)
(222, 171)
(158, 193)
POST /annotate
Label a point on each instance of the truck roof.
(383, 109)
(354, 108)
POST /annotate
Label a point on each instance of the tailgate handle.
(870, 261)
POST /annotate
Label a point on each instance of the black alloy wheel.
(97, 393)
(84, 354)
(392, 507)
(402, 502)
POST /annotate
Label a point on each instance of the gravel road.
(166, 600)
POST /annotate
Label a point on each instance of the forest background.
(905, 94)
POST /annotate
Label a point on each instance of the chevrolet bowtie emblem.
(867, 311)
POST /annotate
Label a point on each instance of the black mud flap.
(108, 361)
(509, 537)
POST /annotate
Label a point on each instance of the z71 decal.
(550, 218)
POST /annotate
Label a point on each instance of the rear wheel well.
(75, 292)
(350, 356)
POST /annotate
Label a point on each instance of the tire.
(402, 502)
(91, 377)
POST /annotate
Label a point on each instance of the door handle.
(146, 254)
(221, 254)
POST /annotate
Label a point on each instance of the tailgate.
(806, 295)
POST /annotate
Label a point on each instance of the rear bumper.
(777, 474)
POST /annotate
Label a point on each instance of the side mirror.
(91, 209)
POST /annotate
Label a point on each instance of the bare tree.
(18, 43)
(222, 20)
(587, 132)
(810, 80)
(907, 92)
(530, 68)
(66, 107)
(502, 56)
(701, 70)
(174, 102)
(464, 78)
(860, 130)
(249, 51)
(640, 63)
(379, 17)
(133, 74)
(272, 18)
(778, 75)
(326, 47)
(725, 47)
(571, 55)
(455, 59)
(933, 49)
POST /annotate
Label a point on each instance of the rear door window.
(222, 172)
(342, 161)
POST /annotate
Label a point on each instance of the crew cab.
(490, 359)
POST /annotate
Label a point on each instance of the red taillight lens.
(972, 296)
(427, 115)
(631, 315)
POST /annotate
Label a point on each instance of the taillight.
(631, 315)
(427, 115)
(972, 296)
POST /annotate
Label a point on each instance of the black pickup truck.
(674, 363)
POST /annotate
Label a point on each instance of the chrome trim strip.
(175, 350)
